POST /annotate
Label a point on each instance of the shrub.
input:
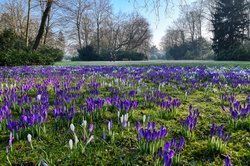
(53, 54)
(130, 55)
(75, 58)
(15, 53)
(9, 40)
(87, 53)
(236, 53)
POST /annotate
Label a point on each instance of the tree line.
(210, 29)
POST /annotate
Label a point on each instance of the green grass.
(157, 62)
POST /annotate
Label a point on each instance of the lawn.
(154, 62)
(150, 113)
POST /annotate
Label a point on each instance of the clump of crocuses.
(217, 142)
(169, 107)
(170, 153)
(149, 138)
(190, 123)
(238, 114)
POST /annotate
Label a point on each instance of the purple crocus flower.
(11, 139)
(234, 114)
(173, 142)
(220, 131)
(227, 161)
(167, 158)
(138, 126)
(108, 101)
(91, 127)
(153, 125)
(213, 129)
(181, 143)
(190, 108)
(160, 152)
(223, 108)
(103, 136)
(124, 124)
(110, 124)
(148, 126)
(167, 146)
(23, 120)
(12, 125)
(7, 150)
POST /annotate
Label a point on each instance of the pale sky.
(158, 24)
(159, 21)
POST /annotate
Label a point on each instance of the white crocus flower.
(70, 144)
(118, 113)
(72, 127)
(122, 119)
(76, 140)
(84, 123)
(38, 97)
(144, 118)
(148, 118)
(29, 138)
(126, 117)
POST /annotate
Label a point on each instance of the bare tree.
(13, 16)
(101, 12)
(75, 15)
(28, 24)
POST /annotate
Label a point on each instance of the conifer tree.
(230, 22)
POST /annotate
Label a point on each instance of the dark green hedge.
(88, 53)
(13, 52)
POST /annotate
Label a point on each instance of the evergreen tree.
(230, 22)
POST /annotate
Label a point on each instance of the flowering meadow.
(125, 115)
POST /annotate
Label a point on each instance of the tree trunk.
(78, 26)
(46, 30)
(98, 37)
(42, 25)
(28, 24)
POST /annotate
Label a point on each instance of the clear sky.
(158, 24)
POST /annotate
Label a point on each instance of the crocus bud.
(84, 123)
(90, 139)
(110, 124)
(7, 150)
(138, 126)
(76, 140)
(38, 97)
(126, 117)
(70, 144)
(91, 127)
(128, 124)
(103, 136)
(144, 118)
(29, 138)
(118, 114)
(72, 127)
(122, 119)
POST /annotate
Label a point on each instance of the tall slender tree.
(42, 24)
(28, 24)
